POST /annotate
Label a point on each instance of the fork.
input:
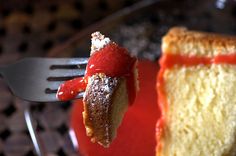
(37, 79)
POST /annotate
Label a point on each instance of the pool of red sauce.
(136, 135)
(112, 60)
(167, 61)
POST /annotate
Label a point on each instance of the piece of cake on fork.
(112, 84)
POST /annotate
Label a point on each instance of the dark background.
(58, 28)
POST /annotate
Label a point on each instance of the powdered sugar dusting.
(98, 102)
(98, 41)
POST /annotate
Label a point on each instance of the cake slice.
(196, 92)
(112, 85)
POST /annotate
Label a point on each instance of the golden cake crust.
(180, 40)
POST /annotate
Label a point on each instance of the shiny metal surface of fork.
(37, 79)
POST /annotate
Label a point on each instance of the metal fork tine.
(55, 84)
(51, 96)
(80, 95)
(35, 79)
(68, 61)
(66, 72)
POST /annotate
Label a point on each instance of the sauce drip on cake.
(71, 88)
(113, 61)
(168, 60)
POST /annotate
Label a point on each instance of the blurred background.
(58, 28)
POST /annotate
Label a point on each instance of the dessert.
(110, 85)
(196, 93)
(136, 134)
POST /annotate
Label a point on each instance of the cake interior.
(119, 106)
(201, 116)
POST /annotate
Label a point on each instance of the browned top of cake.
(180, 40)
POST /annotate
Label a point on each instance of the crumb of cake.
(98, 41)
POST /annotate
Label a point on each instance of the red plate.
(136, 135)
